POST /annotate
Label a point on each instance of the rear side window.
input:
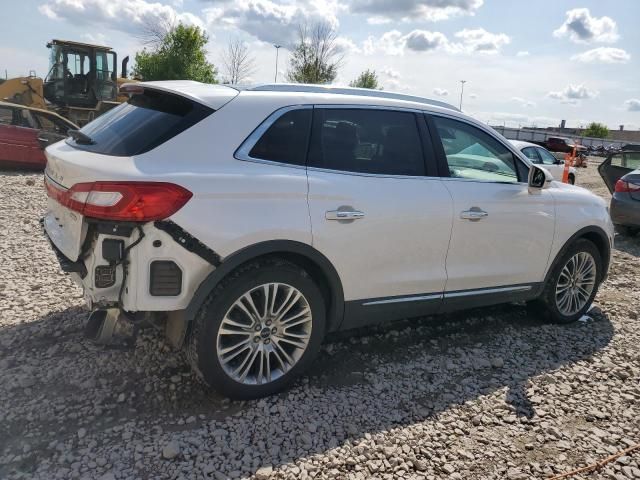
(285, 141)
(374, 141)
(144, 122)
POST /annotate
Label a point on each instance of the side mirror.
(538, 177)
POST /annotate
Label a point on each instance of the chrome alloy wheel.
(576, 283)
(264, 333)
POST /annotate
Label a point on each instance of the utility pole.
(275, 79)
(462, 82)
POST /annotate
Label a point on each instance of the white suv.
(254, 221)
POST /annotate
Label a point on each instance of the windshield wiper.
(81, 138)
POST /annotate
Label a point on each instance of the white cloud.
(269, 21)
(378, 20)
(603, 55)
(423, 40)
(581, 27)
(473, 96)
(522, 53)
(390, 72)
(572, 93)
(346, 45)
(633, 104)
(523, 102)
(441, 92)
(394, 42)
(411, 10)
(481, 41)
(128, 16)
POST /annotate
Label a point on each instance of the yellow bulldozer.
(82, 82)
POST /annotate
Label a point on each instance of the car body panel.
(516, 255)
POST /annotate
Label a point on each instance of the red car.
(25, 132)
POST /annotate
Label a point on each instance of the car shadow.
(364, 382)
(627, 244)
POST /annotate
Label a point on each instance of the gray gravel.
(491, 393)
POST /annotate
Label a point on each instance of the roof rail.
(364, 92)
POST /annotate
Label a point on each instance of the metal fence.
(538, 136)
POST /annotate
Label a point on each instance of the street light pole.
(275, 79)
(462, 82)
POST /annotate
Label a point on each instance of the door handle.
(344, 215)
(43, 139)
(474, 214)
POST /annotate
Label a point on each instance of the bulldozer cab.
(80, 74)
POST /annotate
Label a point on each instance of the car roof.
(352, 91)
(34, 109)
(215, 96)
(520, 144)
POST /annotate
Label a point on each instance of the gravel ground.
(491, 393)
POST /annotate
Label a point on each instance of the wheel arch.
(301, 254)
(594, 234)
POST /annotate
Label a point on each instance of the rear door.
(502, 234)
(376, 213)
(617, 165)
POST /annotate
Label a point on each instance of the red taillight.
(126, 201)
(622, 186)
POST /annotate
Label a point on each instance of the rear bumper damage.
(150, 267)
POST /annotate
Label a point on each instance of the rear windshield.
(142, 123)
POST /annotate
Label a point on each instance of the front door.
(375, 214)
(502, 233)
(617, 166)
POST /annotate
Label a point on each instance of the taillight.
(622, 186)
(126, 201)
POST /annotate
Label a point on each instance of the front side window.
(383, 142)
(530, 153)
(285, 141)
(547, 157)
(473, 154)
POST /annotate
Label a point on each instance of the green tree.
(596, 130)
(179, 55)
(367, 79)
(315, 57)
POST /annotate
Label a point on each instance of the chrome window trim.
(242, 153)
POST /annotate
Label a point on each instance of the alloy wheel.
(264, 333)
(576, 283)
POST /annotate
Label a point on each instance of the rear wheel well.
(327, 281)
(309, 266)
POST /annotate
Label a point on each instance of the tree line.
(178, 52)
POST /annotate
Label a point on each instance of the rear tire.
(572, 285)
(258, 330)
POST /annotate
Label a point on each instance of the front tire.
(258, 330)
(572, 179)
(572, 285)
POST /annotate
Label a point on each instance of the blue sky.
(525, 63)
